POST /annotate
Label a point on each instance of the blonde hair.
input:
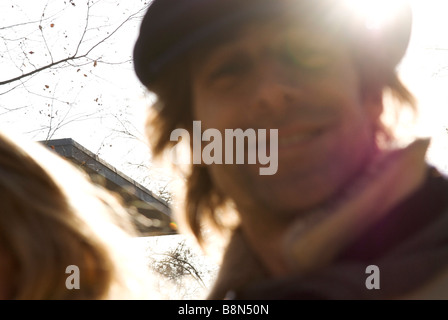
(52, 217)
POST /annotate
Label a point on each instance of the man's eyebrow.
(214, 44)
(221, 39)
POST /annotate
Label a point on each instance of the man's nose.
(276, 90)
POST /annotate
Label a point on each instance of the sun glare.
(375, 13)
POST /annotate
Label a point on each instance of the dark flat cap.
(171, 27)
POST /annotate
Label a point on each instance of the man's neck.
(265, 239)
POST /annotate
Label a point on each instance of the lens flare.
(375, 13)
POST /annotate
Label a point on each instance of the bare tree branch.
(76, 56)
(132, 16)
(42, 32)
(50, 65)
(84, 31)
(21, 24)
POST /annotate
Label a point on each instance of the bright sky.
(425, 71)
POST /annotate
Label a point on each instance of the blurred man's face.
(303, 83)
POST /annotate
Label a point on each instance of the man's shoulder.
(426, 206)
(409, 248)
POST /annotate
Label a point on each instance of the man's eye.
(234, 68)
(308, 59)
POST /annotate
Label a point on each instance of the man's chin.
(290, 200)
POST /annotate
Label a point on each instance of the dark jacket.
(409, 246)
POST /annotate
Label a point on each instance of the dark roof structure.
(152, 215)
